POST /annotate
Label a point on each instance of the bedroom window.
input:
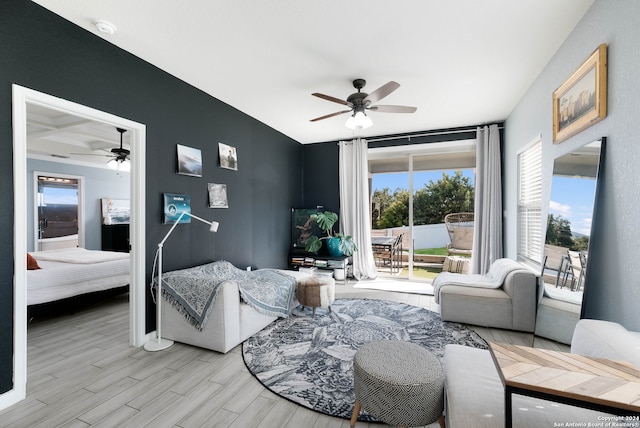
(530, 204)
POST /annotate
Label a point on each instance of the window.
(530, 204)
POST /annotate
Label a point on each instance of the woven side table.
(399, 383)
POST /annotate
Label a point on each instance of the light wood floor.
(82, 372)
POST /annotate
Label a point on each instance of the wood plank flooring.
(82, 372)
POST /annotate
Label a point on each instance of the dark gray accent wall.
(44, 52)
(321, 176)
(613, 289)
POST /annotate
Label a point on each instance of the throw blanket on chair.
(493, 279)
(193, 291)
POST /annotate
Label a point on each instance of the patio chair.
(390, 254)
(572, 269)
(460, 229)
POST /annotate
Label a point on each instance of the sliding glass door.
(413, 188)
(58, 211)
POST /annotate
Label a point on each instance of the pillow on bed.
(32, 264)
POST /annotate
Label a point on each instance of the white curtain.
(355, 219)
(487, 239)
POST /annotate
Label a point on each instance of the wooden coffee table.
(594, 383)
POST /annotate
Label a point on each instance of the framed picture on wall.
(218, 196)
(115, 211)
(174, 204)
(189, 161)
(228, 157)
(581, 100)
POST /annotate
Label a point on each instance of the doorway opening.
(22, 97)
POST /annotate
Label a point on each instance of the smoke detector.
(105, 27)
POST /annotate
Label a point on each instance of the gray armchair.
(505, 297)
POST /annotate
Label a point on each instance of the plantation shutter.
(530, 204)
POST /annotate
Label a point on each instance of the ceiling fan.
(119, 155)
(359, 102)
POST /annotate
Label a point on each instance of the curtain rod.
(426, 134)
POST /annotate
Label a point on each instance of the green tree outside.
(451, 193)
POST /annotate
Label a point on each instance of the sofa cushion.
(475, 396)
(605, 339)
(463, 238)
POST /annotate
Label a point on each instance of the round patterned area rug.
(310, 360)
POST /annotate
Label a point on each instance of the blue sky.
(395, 180)
(55, 195)
(573, 198)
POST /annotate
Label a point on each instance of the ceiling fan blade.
(381, 92)
(393, 109)
(92, 154)
(330, 98)
(330, 115)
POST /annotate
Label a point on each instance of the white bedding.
(79, 256)
(59, 280)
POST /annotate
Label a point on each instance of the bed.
(73, 272)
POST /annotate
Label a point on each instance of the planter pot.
(333, 245)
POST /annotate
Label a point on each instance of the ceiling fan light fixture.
(125, 165)
(119, 164)
(113, 164)
(358, 120)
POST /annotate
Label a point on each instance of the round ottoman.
(400, 383)
(316, 291)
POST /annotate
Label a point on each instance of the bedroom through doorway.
(76, 116)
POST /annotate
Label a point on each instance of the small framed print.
(115, 211)
(228, 157)
(174, 204)
(189, 161)
(581, 100)
(218, 196)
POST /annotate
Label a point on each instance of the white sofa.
(230, 323)
(474, 394)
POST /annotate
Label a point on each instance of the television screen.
(302, 227)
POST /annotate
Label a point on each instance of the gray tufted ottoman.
(400, 383)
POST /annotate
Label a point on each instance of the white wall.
(613, 290)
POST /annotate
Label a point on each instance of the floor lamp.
(158, 344)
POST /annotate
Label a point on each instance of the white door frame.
(137, 337)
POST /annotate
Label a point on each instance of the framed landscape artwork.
(189, 161)
(115, 211)
(581, 100)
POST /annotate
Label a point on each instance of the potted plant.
(337, 243)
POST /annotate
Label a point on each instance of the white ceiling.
(460, 62)
(57, 136)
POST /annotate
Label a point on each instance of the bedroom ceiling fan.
(119, 155)
(359, 102)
